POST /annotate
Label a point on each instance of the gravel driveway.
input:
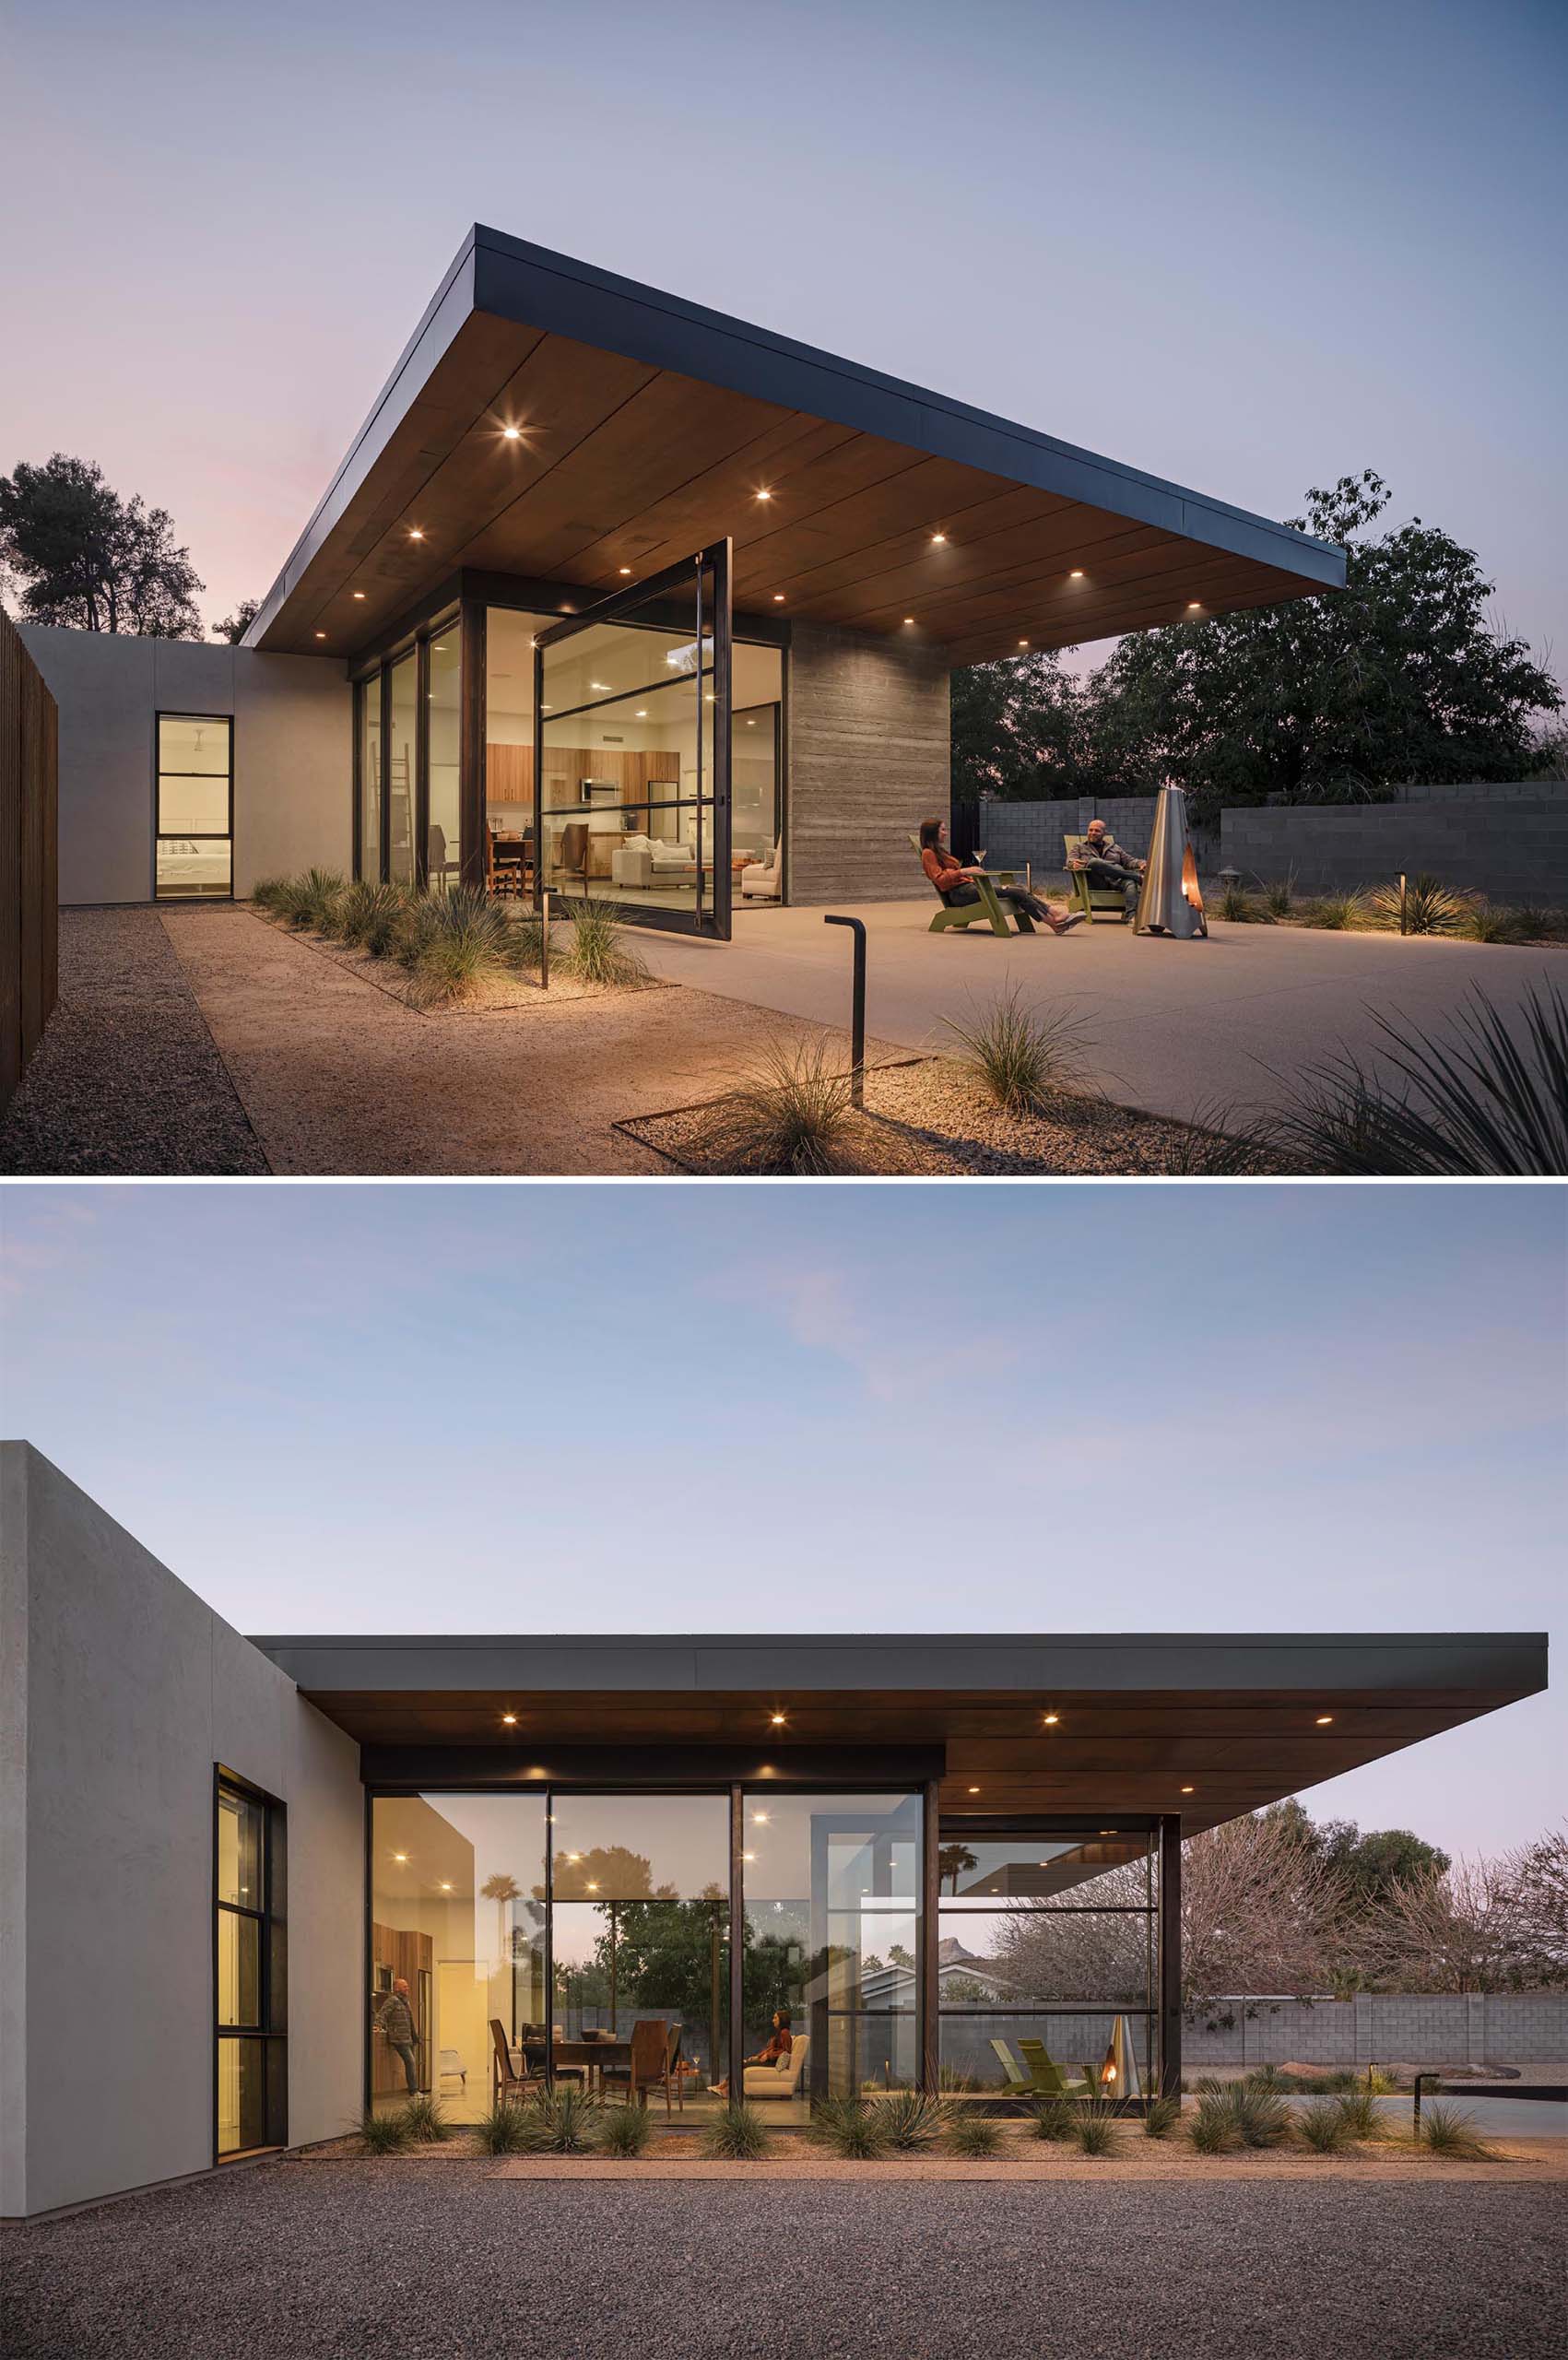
(431, 2262)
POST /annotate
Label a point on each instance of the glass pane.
(239, 1970)
(241, 2093)
(508, 745)
(193, 742)
(1093, 1872)
(630, 1847)
(443, 849)
(757, 816)
(242, 1835)
(833, 1936)
(621, 1964)
(1030, 1952)
(190, 866)
(369, 778)
(457, 1942)
(192, 807)
(400, 788)
(1053, 2054)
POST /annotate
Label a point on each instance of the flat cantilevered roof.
(646, 427)
(1238, 1720)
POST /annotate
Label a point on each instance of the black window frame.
(374, 678)
(270, 2030)
(202, 837)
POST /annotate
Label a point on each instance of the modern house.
(613, 593)
(224, 1859)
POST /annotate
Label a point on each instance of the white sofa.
(763, 881)
(649, 860)
(780, 2081)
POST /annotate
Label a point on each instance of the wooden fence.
(29, 859)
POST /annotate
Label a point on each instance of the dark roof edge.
(604, 1639)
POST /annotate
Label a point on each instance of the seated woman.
(781, 2042)
(952, 881)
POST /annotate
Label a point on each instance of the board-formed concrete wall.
(119, 1692)
(1508, 841)
(293, 754)
(1381, 2028)
(868, 760)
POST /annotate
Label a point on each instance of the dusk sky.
(462, 1408)
(1248, 249)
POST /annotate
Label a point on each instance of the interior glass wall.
(833, 1887)
(640, 1937)
(1046, 1963)
(195, 807)
(402, 755)
(457, 1943)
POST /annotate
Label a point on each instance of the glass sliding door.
(631, 750)
(833, 1887)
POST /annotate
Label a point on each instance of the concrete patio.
(1178, 1027)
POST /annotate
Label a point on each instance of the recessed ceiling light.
(938, 540)
(512, 434)
(508, 1720)
(1051, 1719)
(321, 634)
(1023, 643)
(777, 1719)
(751, 724)
(909, 619)
(1194, 606)
(446, 1888)
(778, 597)
(625, 569)
(603, 685)
(415, 533)
(401, 1858)
(359, 594)
(759, 1819)
(641, 713)
(1187, 1790)
(748, 1856)
(764, 495)
(593, 1885)
(1077, 573)
(975, 1790)
(1324, 1720)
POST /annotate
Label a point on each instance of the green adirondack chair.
(1094, 900)
(1046, 2077)
(986, 911)
(1017, 2078)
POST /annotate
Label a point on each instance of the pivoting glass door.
(631, 750)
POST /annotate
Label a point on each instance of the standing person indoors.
(402, 2033)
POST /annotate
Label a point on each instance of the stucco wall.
(293, 757)
(126, 1691)
(868, 760)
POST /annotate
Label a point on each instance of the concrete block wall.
(868, 760)
(1381, 2027)
(1014, 832)
(293, 754)
(120, 1693)
(1509, 841)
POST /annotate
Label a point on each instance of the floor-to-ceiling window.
(457, 1942)
(407, 762)
(1046, 1960)
(443, 703)
(402, 768)
(368, 778)
(251, 2109)
(195, 820)
(833, 1887)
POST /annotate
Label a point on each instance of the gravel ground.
(127, 1078)
(283, 2262)
(929, 1117)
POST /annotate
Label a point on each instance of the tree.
(1370, 1864)
(88, 560)
(954, 1860)
(1339, 697)
(234, 627)
(1539, 1876)
(1448, 1929)
(1261, 1911)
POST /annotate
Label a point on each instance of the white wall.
(293, 754)
(119, 1692)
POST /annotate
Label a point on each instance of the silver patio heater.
(1170, 901)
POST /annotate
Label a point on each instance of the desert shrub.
(738, 2135)
(1429, 906)
(425, 2122)
(1161, 2117)
(454, 943)
(1212, 2128)
(1447, 2131)
(794, 1112)
(1489, 922)
(503, 2130)
(370, 916)
(625, 2130)
(562, 2122)
(1322, 2125)
(910, 2122)
(1532, 924)
(1237, 904)
(598, 951)
(1360, 2113)
(849, 2127)
(1280, 894)
(1020, 1057)
(310, 899)
(1051, 2119)
(1490, 1100)
(1262, 2116)
(1094, 2127)
(976, 2135)
(384, 2134)
(1336, 913)
(270, 894)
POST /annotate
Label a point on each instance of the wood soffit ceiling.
(623, 464)
(1131, 1753)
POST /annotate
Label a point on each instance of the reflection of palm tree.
(501, 1889)
(953, 1860)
